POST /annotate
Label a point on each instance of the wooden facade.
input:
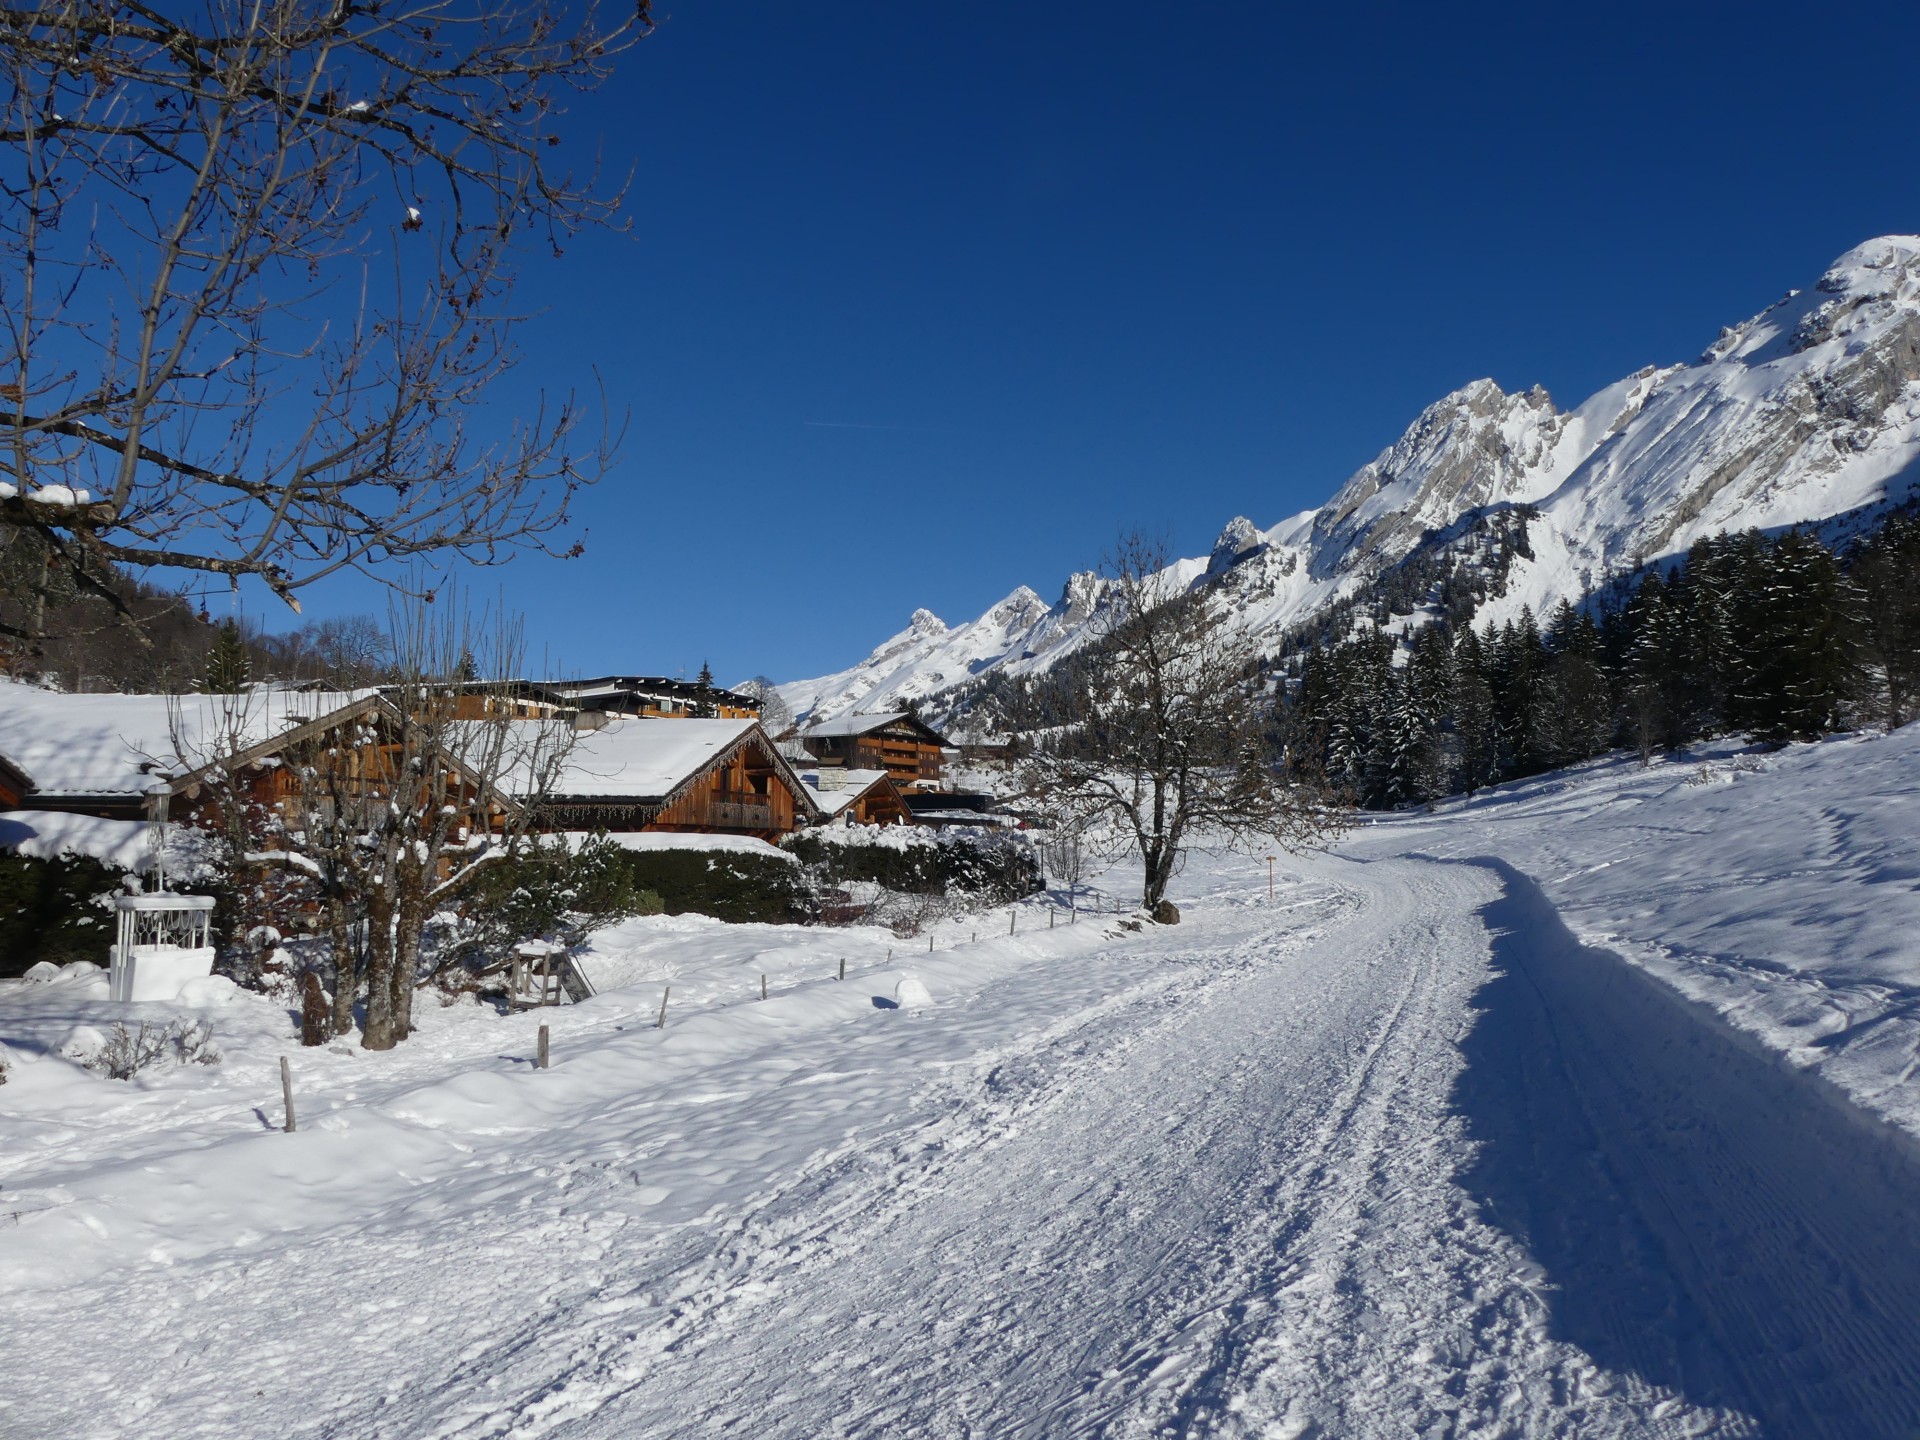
(14, 785)
(907, 749)
(746, 789)
(655, 697)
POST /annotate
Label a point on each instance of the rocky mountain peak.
(1237, 541)
(1805, 412)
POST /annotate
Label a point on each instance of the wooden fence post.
(1013, 919)
(542, 1061)
(286, 1091)
(763, 987)
(843, 967)
(661, 1023)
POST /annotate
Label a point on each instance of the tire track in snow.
(569, 1363)
(1235, 1216)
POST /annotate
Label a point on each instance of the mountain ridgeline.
(1806, 416)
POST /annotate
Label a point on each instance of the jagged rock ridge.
(1807, 411)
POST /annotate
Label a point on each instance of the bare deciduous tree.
(393, 814)
(257, 262)
(776, 716)
(1158, 733)
(1064, 853)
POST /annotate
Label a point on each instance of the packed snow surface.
(1435, 1140)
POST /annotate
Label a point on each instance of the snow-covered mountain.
(1806, 412)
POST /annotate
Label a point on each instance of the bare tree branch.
(260, 260)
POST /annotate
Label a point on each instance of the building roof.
(855, 783)
(643, 762)
(116, 745)
(842, 726)
(603, 687)
(636, 760)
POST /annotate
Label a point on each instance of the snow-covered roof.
(853, 784)
(44, 835)
(637, 760)
(847, 725)
(853, 724)
(113, 744)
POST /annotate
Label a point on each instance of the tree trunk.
(410, 927)
(1158, 858)
(346, 963)
(378, 1032)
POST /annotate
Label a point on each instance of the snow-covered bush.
(193, 1044)
(552, 891)
(987, 865)
(125, 1053)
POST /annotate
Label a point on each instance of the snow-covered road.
(1392, 1155)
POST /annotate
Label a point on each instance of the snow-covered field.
(1451, 1136)
(1782, 891)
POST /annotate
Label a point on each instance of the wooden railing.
(740, 810)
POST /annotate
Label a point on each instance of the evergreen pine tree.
(229, 667)
(1887, 571)
(1797, 630)
(1475, 725)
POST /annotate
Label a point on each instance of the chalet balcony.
(740, 810)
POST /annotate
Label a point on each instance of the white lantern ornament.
(162, 940)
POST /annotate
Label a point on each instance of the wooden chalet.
(857, 797)
(112, 756)
(654, 697)
(906, 748)
(721, 777)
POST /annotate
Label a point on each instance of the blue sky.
(923, 302)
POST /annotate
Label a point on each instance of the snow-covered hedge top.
(668, 840)
(893, 837)
(50, 834)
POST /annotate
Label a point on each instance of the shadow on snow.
(1707, 1219)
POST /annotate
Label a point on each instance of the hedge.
(996, 865)
(726, 884)
(52, 910)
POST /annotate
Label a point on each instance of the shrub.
(126, 1053)
(553, 890)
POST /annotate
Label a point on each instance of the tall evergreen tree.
(1475, 724)
(1798, 628)
(229, 667)
(1887, 570)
